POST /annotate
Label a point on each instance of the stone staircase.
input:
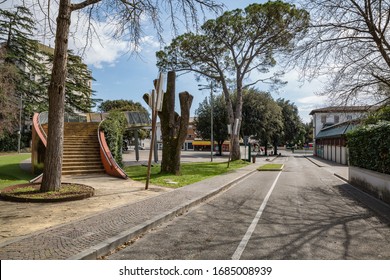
(81, 149)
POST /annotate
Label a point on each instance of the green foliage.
(308, 132)
(369, 147)
(261, 116)
(121, 105)
(383, 114)
(9, 142)
(293, 131)
(17, 29)
(31, 78)
(114, 126)
(126, 105)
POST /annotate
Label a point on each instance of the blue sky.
(120, 75)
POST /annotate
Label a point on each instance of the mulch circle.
(68, 192)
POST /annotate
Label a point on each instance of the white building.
(330, 124)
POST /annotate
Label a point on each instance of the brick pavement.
(98, 234)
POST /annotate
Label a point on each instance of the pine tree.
(20, 50)
(78, 91)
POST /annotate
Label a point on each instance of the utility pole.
(212, 120)
(20, 122)
(211, 87)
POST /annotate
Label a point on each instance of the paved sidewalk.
(97, 234)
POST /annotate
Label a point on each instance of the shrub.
(114, 126)
(369, 147)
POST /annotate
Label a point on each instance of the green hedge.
(369, 147)
(114, 126)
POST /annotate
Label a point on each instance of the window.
(336, 119)
(349, 117)
(323, 119)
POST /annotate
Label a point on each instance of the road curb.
(314, 162)
(114, 242)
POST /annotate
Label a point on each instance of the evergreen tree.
(21, 53)
(293, 126)
(78, 90)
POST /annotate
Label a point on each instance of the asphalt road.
(300, 213)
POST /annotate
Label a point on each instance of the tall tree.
(234, 45)
(21, 53)
(293, 127)
(308, 138)
(348, 43)
(32, 61)
(262, 118)
(8, 102)
(128, 15)
(220, 120)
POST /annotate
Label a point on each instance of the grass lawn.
(191, 173)
(271, 167)
(10, 171)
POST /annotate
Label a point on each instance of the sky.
(122, 75)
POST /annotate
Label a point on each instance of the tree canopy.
(239, 42)
(348, 42)
(22, 53)
(262, 118)
(121, 105)
(293, 130)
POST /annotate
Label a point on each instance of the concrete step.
(86, 149)
(79, 172)
(82, 167)
(81, 151)
(76, 162)
(69, 158)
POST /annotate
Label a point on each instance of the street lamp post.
(212, 121)
(20, 123)
(211, 87)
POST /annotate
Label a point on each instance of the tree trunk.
(173, 127)
(51, 180)
(220, 143)
(236, 153)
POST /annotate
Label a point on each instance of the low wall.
(375, 183)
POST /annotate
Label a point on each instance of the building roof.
(342, 109)
(337, 130)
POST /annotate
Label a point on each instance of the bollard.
(253, 159)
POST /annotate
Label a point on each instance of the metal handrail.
(40, 116)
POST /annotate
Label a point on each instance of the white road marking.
(241, 247)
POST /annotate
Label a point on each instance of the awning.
(336, 131)
(201, 143)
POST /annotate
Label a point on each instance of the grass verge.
(271, 167)
(10, 171)
(191, 173)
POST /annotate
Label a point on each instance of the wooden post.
(156, 106)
